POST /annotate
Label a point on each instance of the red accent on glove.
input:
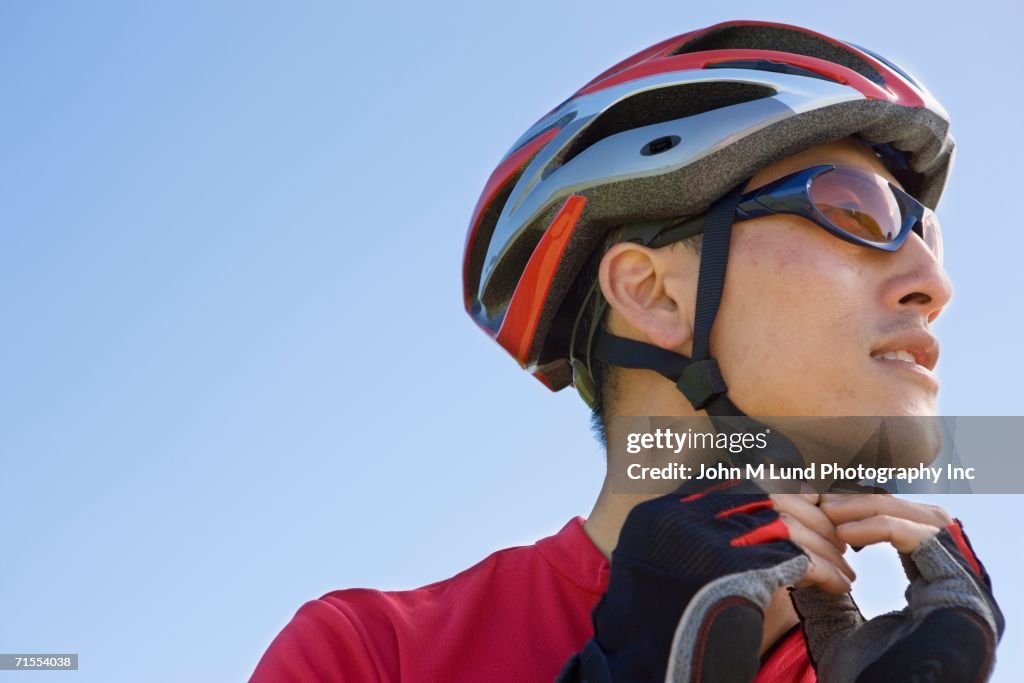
(715, 488)
(747, 507)
(773, 531)
(956, 530)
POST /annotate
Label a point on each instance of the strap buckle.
(701, 382)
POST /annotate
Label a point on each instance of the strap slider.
(701, 382)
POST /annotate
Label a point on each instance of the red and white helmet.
(665, 134)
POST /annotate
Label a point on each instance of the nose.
(918, 282)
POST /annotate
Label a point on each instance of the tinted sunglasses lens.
(931, 233)
(858, 203)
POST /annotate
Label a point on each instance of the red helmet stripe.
(896, 90)
(523, 314)
(498, 178)
(662, 49)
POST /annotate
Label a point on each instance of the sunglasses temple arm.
(749, 207)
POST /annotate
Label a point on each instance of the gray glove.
(947, 633)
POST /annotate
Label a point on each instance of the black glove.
(947, 633)
(690, 579)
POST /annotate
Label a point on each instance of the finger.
(842, 508)
(903, 534)
(812, 494)
(810, 515)
(811, 541)
(807, 487)
(824, 575)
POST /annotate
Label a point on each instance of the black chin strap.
(698, 378)
(702, 381)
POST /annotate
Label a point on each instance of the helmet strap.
(701, 382)
(698, 378)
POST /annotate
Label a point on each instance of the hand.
(867, 519)
(812, 530)
(690, 579)
(950, 627)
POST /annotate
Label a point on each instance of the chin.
(913, 429)
(899, 441)
(924, 406)
(914, 440)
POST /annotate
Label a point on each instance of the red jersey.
(516, 616)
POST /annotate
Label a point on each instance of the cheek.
(788, 332)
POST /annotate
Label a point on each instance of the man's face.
(805, 316)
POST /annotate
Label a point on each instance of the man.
(597, 257)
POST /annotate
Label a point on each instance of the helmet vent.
(768, 65)
(658, 106)
(659, 145)
(484, 232)
(733, 37)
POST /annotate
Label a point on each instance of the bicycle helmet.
(665, 134)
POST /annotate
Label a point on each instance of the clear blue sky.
(235, 372)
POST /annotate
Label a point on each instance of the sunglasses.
(853, 204)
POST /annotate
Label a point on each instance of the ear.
(645, 289)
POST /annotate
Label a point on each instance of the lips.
(917, 347)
